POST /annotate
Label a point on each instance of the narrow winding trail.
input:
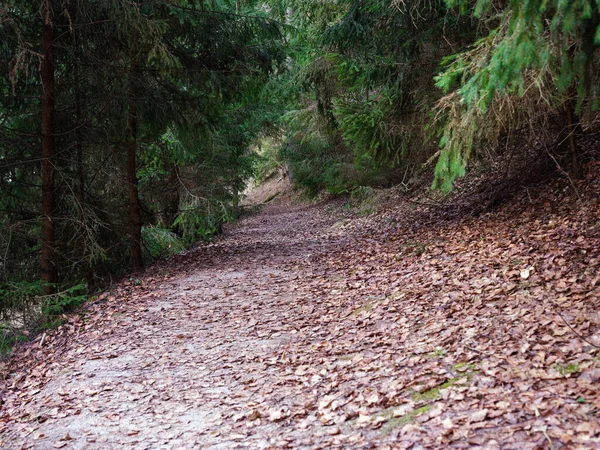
(302, 328)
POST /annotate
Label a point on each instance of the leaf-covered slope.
(311, 328)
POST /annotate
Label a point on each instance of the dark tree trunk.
(49, 273)
(135, 217)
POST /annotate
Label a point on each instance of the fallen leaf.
(478, 416)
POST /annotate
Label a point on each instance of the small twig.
(449, 370)
(548, 438)
(194, 196)
(431, 159)
(474, 349)
(554, 309)
(563, 171)
(57, 294)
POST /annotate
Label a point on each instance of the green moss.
(434, 393)
(369, 306)
(438, 353)
(567, 369)
(409, 417)
(427, 397)
(271, 197)
(462, 365)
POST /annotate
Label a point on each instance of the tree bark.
(49, 273)
(135, 217)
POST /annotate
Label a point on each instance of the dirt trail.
(301, 328)
(183, 357)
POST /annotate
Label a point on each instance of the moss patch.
(369, 306)
(271, 197)
(463, 367)
(394, 422)
(567, 369)
(434, 393)
(438, 353)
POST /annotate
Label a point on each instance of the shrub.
(161, 243)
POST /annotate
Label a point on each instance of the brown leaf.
(66, 437)
(478, 416)
(254, 414)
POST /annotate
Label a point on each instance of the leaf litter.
(308, 327)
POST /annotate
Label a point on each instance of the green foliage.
(201, 219)
(194, 71)
(364, 200)
(9, 336)
(63, 302)
(384, 77)
(366, 128)
(268, 159)
(161, 243)
(537, 56)
(315, 167)
(24, 308)
(363, 72)
(19, 300)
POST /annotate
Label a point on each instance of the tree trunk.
(49, 273)
(135, 217)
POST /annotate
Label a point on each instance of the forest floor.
(308, 326)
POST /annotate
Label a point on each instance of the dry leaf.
(478, 416)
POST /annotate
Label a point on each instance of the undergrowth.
(26, 310)
(161, 243)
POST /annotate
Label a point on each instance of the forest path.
(185, 359)
(302, 328)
